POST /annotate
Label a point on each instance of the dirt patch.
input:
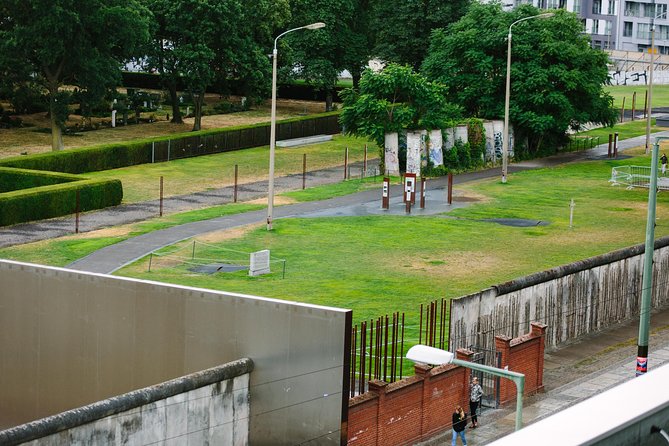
(228, 234)
(278, 200)
(456, 264)
(119, 231)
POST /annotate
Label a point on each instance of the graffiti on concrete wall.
(628, 77)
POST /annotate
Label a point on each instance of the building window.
(662, 32)
(612, 7)
(632, 9)
(643, 31)
(661, 11)
(577, 6)
(595, 26)
(627, 29)
(552, 4)
(607, 27)
(597, 6)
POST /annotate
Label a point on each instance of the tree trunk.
(198, 101)
(174, 100)
(355, 76)
(328, 100)
(56, 130)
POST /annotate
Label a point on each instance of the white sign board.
(259, 263)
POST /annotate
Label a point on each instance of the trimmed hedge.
(57, 200)
(18, 179)
(184, 145)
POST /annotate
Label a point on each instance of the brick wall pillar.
(539, 330)
(465, 355)
(423, 371)
(379, 387)
(507, 389)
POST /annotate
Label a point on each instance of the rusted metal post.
(363, 354)
(422, 192)
(304, 171)
(615, 145)
(234, 197)
(407, 208)
(450, 187)
(346, 163)
(385, 352)
(76, 209)
(633, 104)
(622, 111)
(645, 105)
(371, 349)
(610, 145)
(402, 347)
(364, 163)
(420, 326)
(353, 348)
(161, 196)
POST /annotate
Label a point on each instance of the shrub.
(57, 200)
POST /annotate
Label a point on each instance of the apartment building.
(617, 24)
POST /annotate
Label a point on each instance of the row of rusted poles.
(381, 352)
(435, 324)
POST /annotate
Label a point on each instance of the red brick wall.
(417, 408)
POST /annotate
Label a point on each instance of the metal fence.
(636, 176)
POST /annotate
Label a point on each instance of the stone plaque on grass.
(259, 263)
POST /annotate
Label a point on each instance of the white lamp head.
(316, 25)
(429, 355)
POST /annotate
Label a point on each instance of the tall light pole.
(650, 77)
(505, 139)
(272, 132)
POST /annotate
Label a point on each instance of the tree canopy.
(393, 100)
(402, 28)
(57, 42)
(557, 79)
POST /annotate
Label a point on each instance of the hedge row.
(113, 156)
(57, 200)
(18, 179)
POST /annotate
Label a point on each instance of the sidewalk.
(574, 373)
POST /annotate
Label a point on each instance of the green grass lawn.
(378, 265)
(660, 95)
(183, 176)
(625, 130)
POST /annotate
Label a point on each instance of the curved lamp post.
(436, 356)
(505, 139)
(272, 134)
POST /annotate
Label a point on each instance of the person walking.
(663, 161)
(475, 395)
(459, 425)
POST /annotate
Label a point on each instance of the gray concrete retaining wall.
(69, 339)
(573, 300)
(207, 407)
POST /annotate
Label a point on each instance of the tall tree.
(319, 56)
(557, 79)
(394, 100)
(403, 27)
(199, 41)
(58, 42)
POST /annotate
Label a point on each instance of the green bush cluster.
(56, 200)
(18, 179)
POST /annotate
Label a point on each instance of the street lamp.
(272, 134)
(436, 356)
(505, 139)
(650, 78)
(647, 278)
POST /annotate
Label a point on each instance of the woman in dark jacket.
(459, 425)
